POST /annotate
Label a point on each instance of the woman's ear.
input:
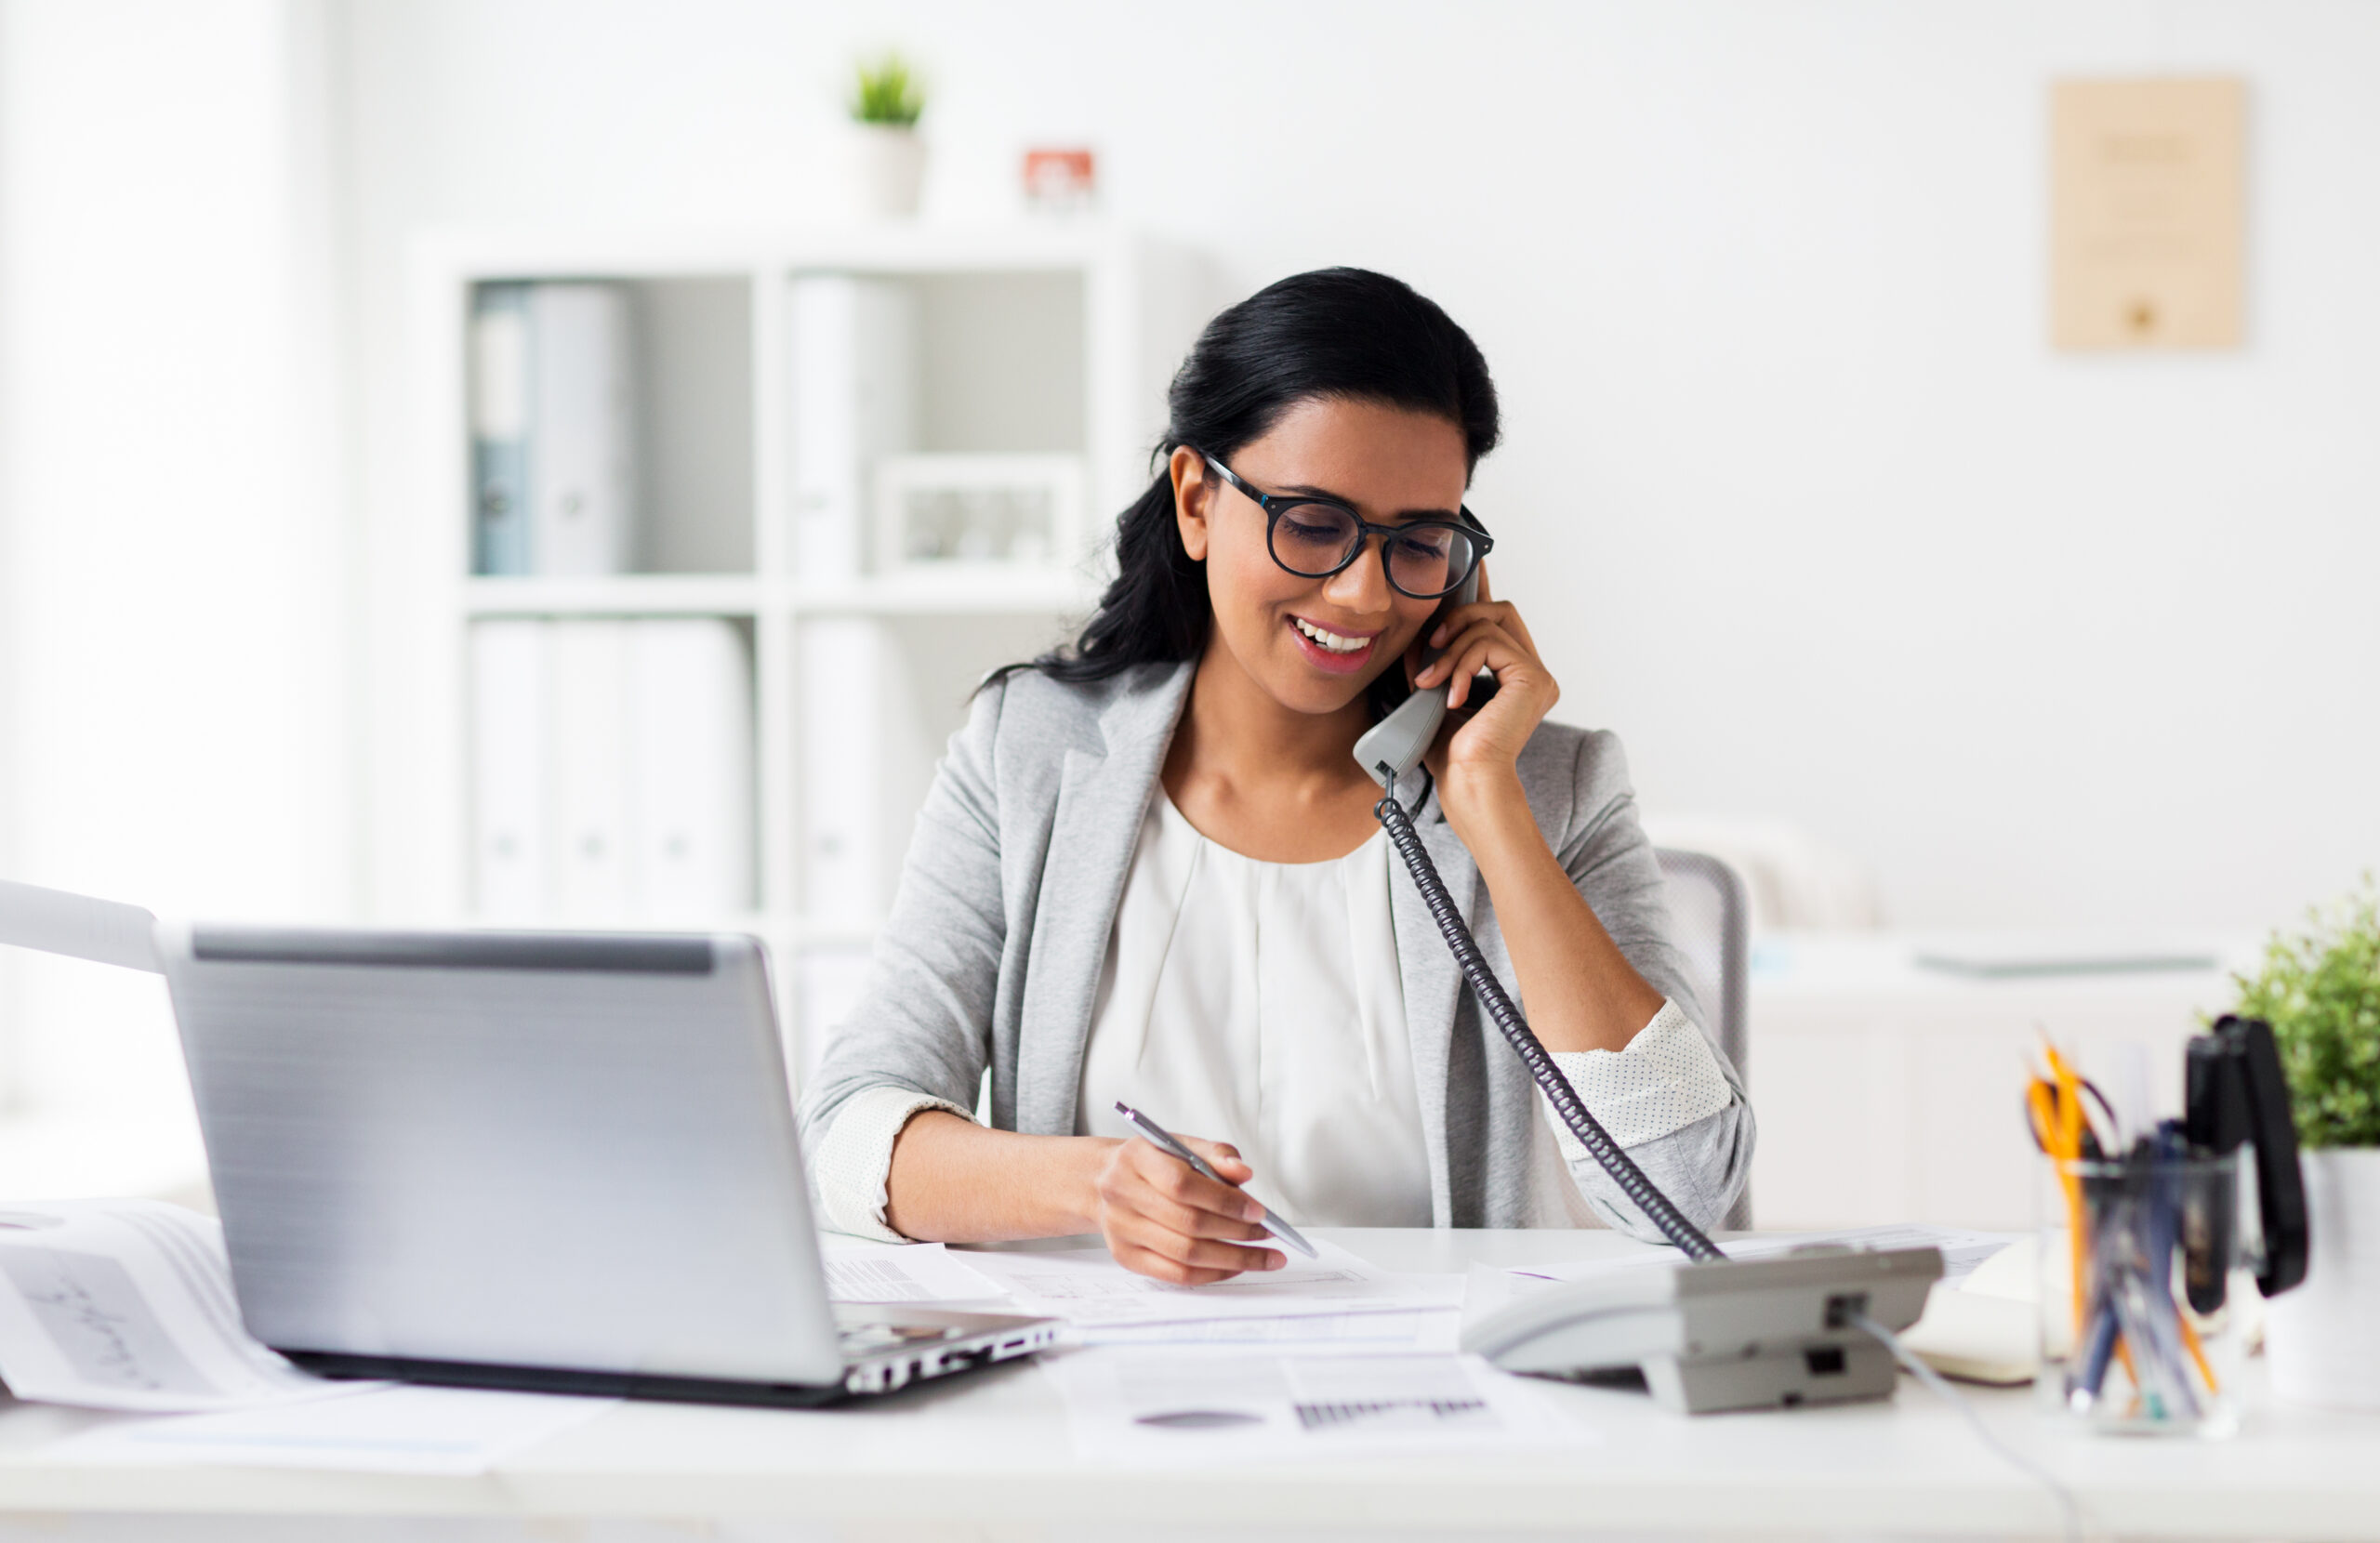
(1192, 494)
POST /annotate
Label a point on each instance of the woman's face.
(1390, 465)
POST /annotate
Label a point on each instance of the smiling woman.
(1149, 870)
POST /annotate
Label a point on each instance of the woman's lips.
(1327, 661)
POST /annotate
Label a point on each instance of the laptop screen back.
(562, 1151)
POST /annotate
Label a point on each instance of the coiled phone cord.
(1565, 1099)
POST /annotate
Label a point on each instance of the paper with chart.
(1086, 1285)
(860, 1269)
(1161, 1408)
(126, 1304)
(386, 1431)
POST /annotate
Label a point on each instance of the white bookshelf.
(1055, 340)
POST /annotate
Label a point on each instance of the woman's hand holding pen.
(1162, 1217)
(952, 1180)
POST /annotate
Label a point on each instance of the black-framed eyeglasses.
(1316, 537)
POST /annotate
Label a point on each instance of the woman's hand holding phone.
(1164, 1219)
(1474, 758)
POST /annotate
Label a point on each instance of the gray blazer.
(997, 932)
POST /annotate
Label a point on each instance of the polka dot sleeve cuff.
(1665, 1080)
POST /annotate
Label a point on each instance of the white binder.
(612, 772)
(582, 430)
(588, 702)
(690, 717)
(510, 788)
(865, 759)
(854, 398)
(840, 666)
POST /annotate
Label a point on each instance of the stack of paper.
(859, 1270)
(1087, 1287)
(1434, 1329)
(126, 1304)
(1962, 1250)
(1322, 1356)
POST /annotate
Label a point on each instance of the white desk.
(988, 1456)
(1886, 1092)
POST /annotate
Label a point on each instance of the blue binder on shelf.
(553, 429)
(500, 428)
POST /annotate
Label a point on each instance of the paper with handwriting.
(127, 1304)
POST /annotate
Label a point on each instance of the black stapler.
(2236, 1097)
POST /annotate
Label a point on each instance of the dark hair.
(1336, 333)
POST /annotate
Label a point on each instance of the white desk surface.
(1890, 1092)
(988, 1456)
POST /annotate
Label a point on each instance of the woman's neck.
(1264, 780)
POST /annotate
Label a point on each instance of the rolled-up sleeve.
(1692, 1136)
(854, 1158)
(1666, 1078)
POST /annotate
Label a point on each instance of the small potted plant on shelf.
(885, 159)
(2320, 992)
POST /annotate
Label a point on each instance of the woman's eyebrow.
(1307, 490)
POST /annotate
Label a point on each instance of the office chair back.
(1711, 924)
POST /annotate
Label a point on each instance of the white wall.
(1794, 493)
(176, 590)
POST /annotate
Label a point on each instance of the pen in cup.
(1163, 1139)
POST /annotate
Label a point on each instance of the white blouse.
(1260, 1004)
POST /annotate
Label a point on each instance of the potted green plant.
(885, 159)
(2320, 992)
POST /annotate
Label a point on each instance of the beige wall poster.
(2146, 213)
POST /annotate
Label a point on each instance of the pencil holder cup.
(2143, 1278)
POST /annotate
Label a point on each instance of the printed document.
(126, 1304)
(861, 1269)
(1086, 1285)
(1151, 1407)
(1962, 1250)
(387, 1430)
(1430, 1330)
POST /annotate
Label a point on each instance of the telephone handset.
(1389, 750)
(1396, 744)
(1718, 1334)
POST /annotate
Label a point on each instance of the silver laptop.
(555, 1161)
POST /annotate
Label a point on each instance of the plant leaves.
(2319, 990)
(886, 92)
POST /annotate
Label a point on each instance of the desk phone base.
(1748, 1333)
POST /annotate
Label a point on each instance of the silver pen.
(1163, 1139)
